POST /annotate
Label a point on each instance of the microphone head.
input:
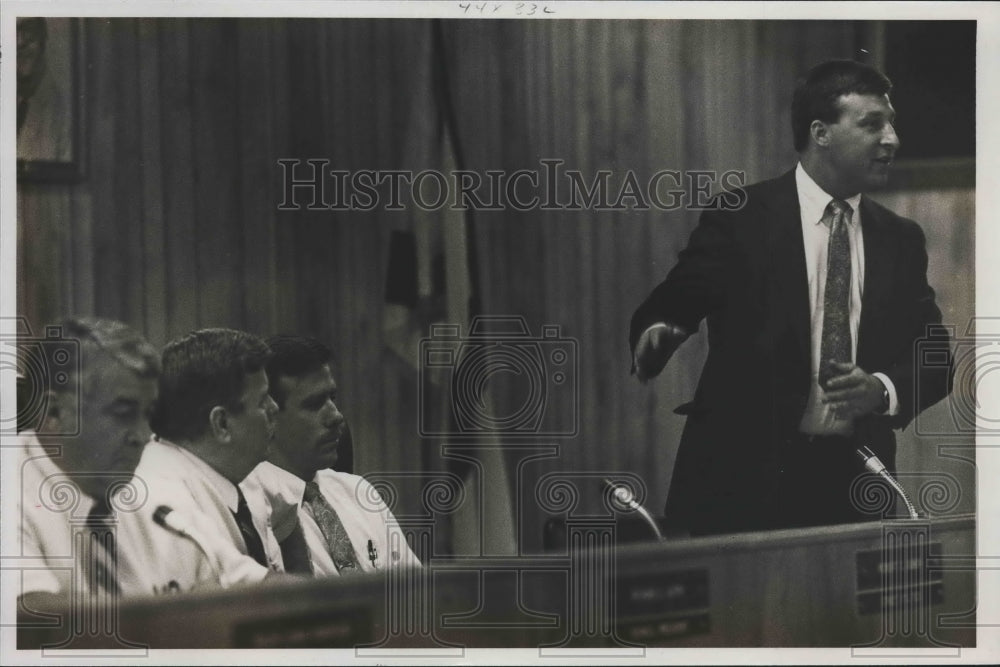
(865, 453)
(621, 496)
(160, 515)
(174, 521)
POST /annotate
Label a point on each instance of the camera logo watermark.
(566, 599)
(87, 564)
(539, 374)
(902, 582)
(41, 365)
(972, 360)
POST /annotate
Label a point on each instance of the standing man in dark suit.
(815, 298)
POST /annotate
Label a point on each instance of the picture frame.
(51, 92)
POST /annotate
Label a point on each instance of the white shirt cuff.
(893, 398)
(243, 570)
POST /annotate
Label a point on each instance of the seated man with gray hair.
(96, 384)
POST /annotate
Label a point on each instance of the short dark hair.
(202, 370)
(293, 356)
(816, 95)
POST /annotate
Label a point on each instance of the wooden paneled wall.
(176, 225)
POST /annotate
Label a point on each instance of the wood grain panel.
(259, 175)
(127, 171)
(178, 150)
(216, 196)
(154, 266)
(109, 249)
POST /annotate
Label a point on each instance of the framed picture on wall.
(50, 82)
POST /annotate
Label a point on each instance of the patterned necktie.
(255, 546)
(102, 556)
(337, 541)
(836, 341)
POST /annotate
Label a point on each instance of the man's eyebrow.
(319, 393)
(879, 113)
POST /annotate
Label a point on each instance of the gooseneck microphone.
(873, 464)
(230, 565)
(173, 521)
(623, 500)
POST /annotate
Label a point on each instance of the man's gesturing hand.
(655, 347)
(851, 392)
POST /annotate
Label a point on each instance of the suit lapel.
(788, 258)
(879, 260)
(791, 282)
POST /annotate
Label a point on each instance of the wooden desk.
(877, 584)
(895, 583)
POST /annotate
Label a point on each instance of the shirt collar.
(41, 477)
(34, 449)
(813, 200)
(225, 489)
(295, 485)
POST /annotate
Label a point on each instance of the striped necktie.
(101, 550)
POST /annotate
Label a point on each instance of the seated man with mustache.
(328, 522)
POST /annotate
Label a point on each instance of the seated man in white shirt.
(329, 522)
(213, 425)
(100, 390)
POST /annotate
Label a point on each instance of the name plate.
(899, 578)
(663, 606)
(341, 629)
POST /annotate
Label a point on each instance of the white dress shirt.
(161, 561)
(818, 419)
(365, 516)
(50, 508)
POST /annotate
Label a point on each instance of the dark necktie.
(102, 557)
(337, 541)
(295, 551)
(836, 341)
(255, 546)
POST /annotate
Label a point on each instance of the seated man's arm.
(154, 559)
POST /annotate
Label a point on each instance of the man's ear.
(218, 422)
(820, 133)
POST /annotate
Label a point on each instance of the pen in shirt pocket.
(372, 554)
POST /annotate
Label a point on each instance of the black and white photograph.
(509, 332)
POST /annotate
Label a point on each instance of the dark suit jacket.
(745, 272)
